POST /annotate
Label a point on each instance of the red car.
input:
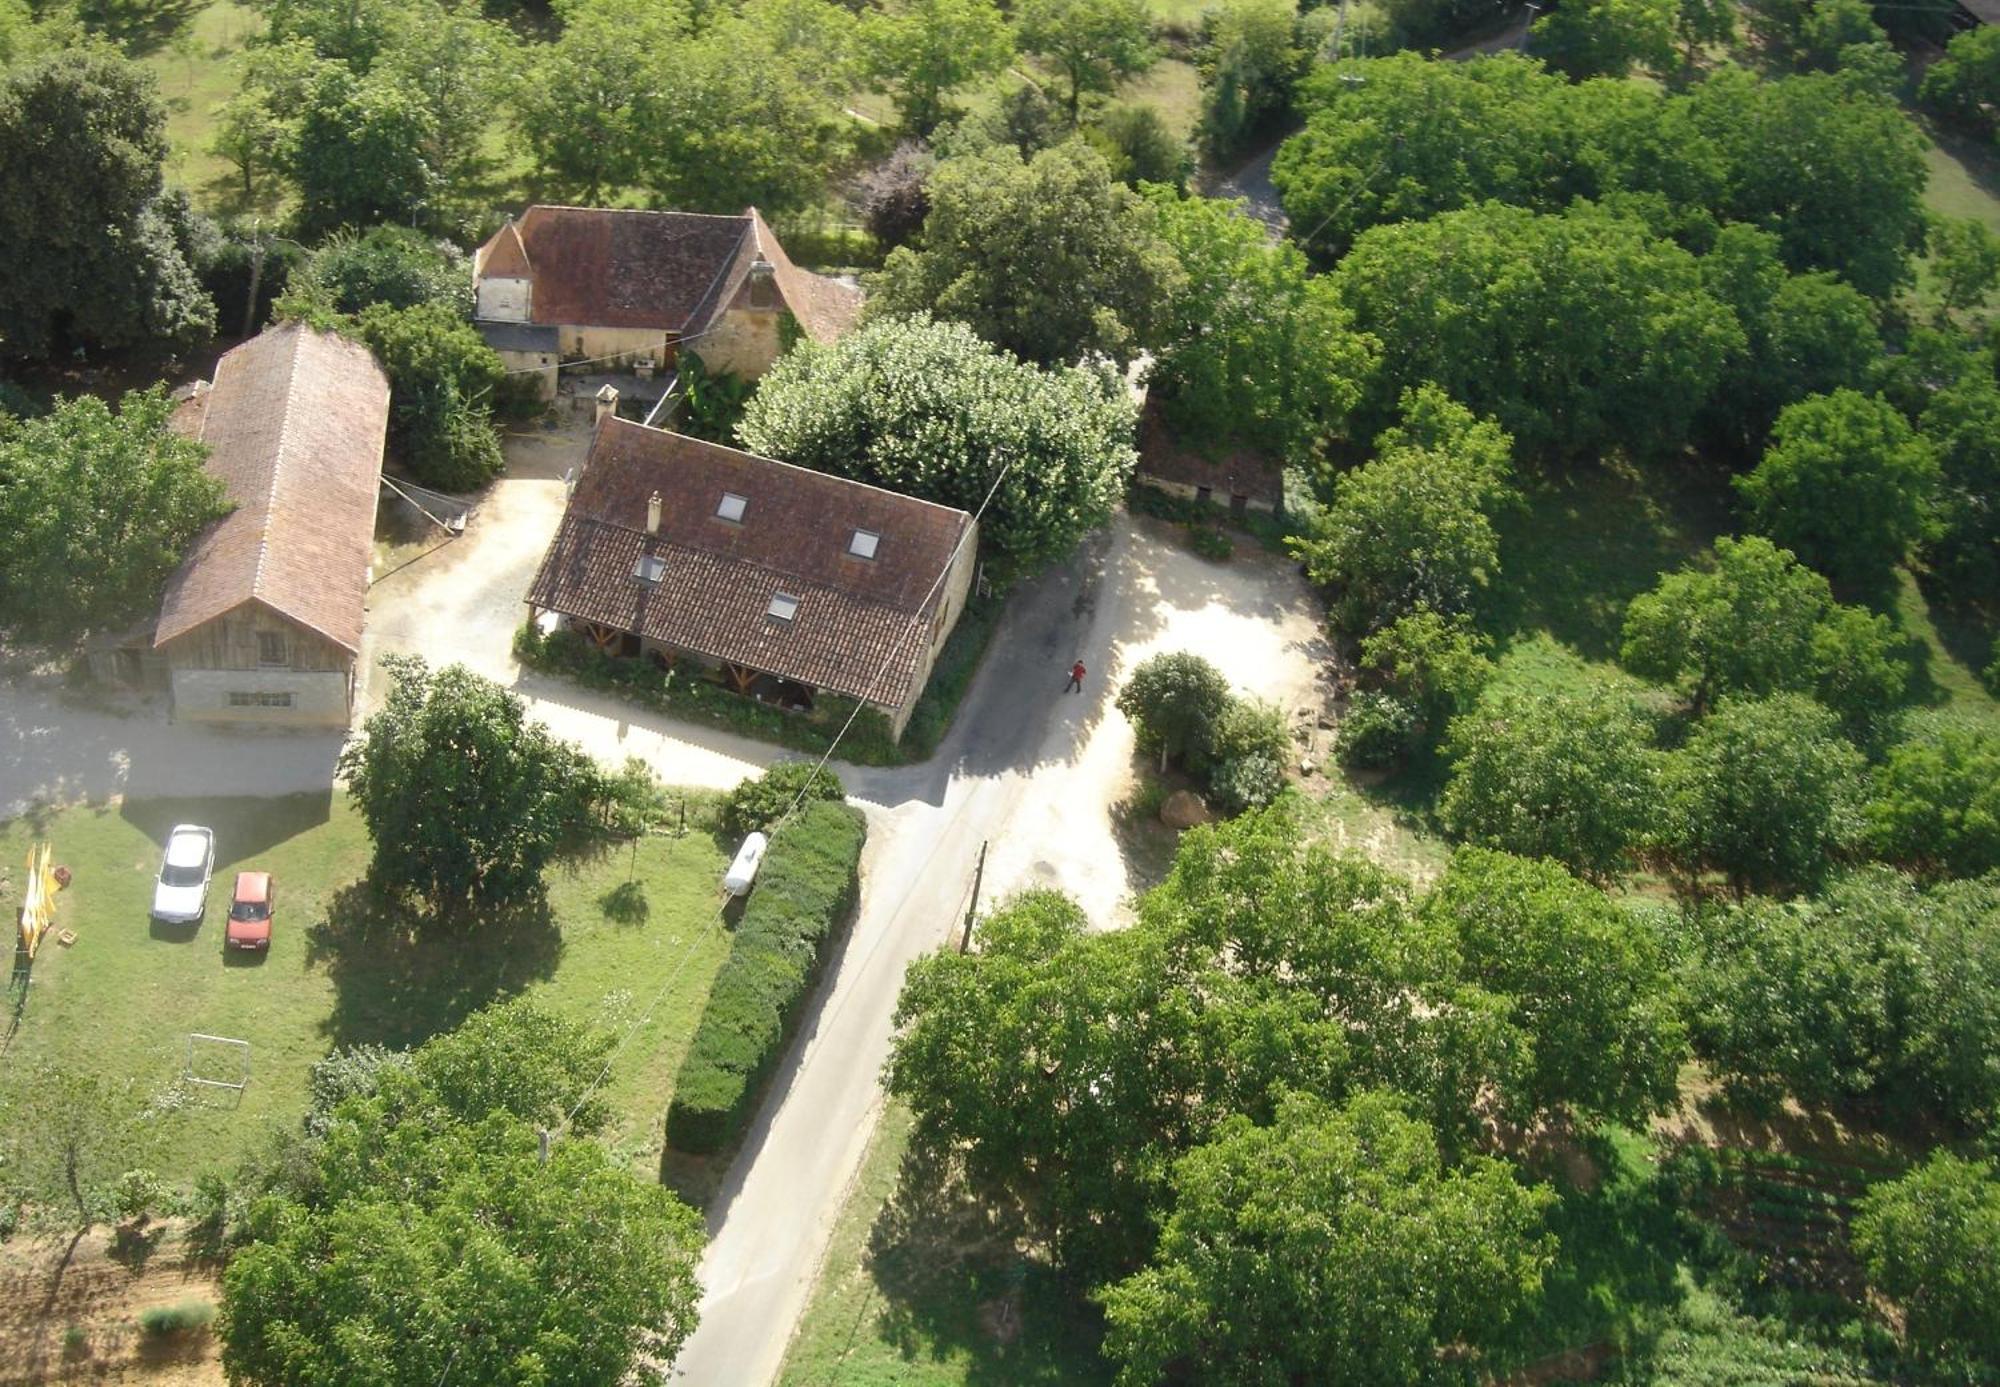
(250, 912)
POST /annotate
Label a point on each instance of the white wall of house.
(595, 343)
(503, 300)
(269, 697)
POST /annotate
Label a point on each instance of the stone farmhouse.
(783, 581)
(629, 290)
(262, 621)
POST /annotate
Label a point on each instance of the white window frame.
(649, 569)
(722, 507)
(874, 538)
(784, 606)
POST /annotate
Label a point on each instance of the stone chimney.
(653, 504)
(763, 284)
(607, 402)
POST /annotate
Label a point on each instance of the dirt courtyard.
(79, 1322)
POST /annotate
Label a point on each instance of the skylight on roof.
(649, 568)
(783, 606)
(732, 506)
(862, 546)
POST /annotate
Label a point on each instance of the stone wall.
(317, 698)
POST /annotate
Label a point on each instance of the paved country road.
(1031, 770)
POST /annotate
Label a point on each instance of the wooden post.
(972, 906)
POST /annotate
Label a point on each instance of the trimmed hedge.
(808, 883)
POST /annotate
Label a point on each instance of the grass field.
(122, 1000)
(197, 73)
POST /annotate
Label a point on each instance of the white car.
(181, 894)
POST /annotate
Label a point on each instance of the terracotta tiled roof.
(294, 425)
(853, 631)
(601, 267)
(1245, 471)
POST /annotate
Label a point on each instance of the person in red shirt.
(1076, 673)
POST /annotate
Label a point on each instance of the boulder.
(1184, 809)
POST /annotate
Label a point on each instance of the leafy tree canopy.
(1174, 700)
(1964, 85)
(1413, 528)
(99, 507)
(1846, 484)
(1048, 257)
(1926, 1241)
(921, 51)
(428, 1240)
(1962, 424)
(1935, 802)
(1251, 346)
(1580, 333)
(1568, 774)
(442, 379)
(929, 409)
(465, 799)
(1584, 977)
(1765, 791)
(1607, 38)
(1333, 1235)
(97, 254)
(1092, 42)
(1253, 53)
(1760, 622)
(386, 264)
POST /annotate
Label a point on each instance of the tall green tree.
(442, 378)
(459, 68)
(1965, 259)
(1174, 700)
(359, 155)
(1252, 347)
(465, 799)
(1093, 42)
(1332, 1236)
(99, 256)
(1607, 38)
(1846, 484)
(1252, 55)
(1963, 86)
(1962, 424)
(1925, 1240)
(1760, 622)
(1049, 257)
(1579, 333)
(1413, 528)
(100, 506)
(69, 1135)
(1581, 975)
(427, 1239)
(921, 51)
(1934, 806)
(1836, 172)
(929, 409)
(1765, 791)
(1569, 775)
(585, 107)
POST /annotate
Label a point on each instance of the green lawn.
(197, 73)
(123, 999)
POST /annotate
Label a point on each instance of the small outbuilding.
(1237, 479)
(262, 621)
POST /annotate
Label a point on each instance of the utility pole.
(1533, 10)
(972, 906)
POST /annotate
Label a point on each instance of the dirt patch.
(77, 1320)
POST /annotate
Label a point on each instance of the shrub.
(1248, 782)
(759, 801)
(1927, 1240)
(164, 1321)
(1378, 731)
(809, 882)
(1210, 542)
(1174, 701)
(137, 1194)
(208, 1214)
(685, 692)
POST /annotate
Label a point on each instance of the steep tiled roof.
(294, 425)
(853, 631)
(1244, 471)
(600, 267)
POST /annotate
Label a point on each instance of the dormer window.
(732, 507)
(862, 546)
(650, 568)
(783, 606)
